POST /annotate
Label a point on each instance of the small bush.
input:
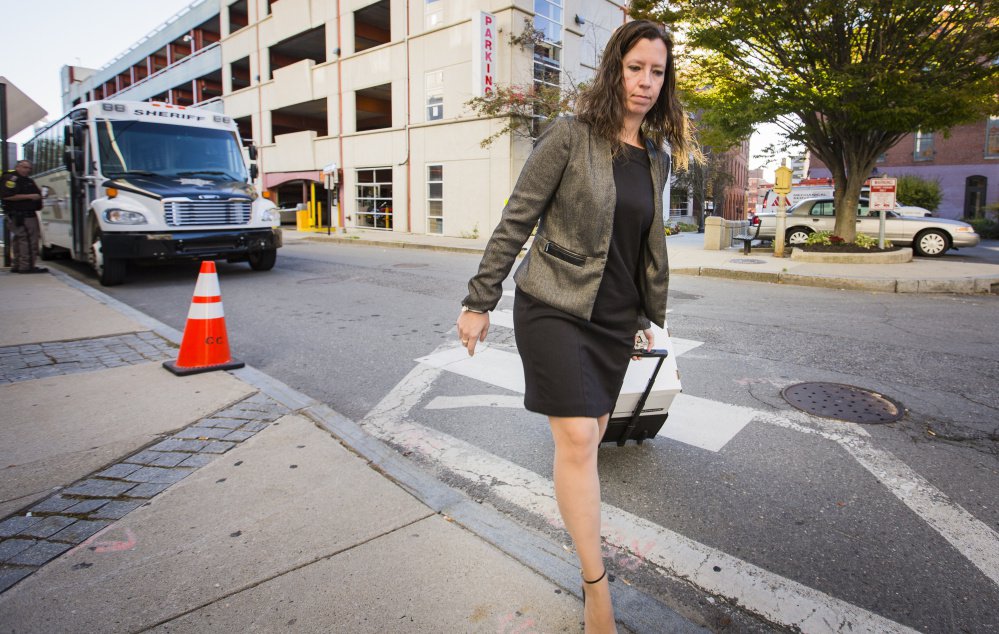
(987, 228)
(865, 241)
(913, 190)
(678, 227)
(820, 237)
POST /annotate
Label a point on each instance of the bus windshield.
(146, 149)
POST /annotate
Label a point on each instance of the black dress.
(574, 367)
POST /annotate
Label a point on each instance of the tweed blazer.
(568, 185)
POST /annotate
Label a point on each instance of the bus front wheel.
(110, 271)
(262, 260)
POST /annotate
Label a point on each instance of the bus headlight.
(124, 217)
(268, 215)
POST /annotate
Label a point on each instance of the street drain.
(843, 402)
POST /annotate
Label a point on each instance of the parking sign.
(882, 194)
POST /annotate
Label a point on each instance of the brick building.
(964, 160)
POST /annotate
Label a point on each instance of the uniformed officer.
(21, 199)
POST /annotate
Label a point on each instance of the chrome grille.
(187, 213)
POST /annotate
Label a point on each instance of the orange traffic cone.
(205, 346)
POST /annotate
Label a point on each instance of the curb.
(898, 256)
(393, 244)
(960, 285)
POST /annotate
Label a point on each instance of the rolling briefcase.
(646, 395)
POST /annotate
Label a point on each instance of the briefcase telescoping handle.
(655, 352)
(661, 354)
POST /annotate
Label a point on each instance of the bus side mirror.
(252, 151)
(253, 171)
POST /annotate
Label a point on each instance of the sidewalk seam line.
(260, 582)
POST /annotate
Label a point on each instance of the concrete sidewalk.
(687, 256)
(134, 500)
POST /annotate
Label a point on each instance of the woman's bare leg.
(577, 491)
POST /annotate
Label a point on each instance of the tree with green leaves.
(847, 79)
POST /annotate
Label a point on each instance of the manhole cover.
(843, 402)
(747, 261)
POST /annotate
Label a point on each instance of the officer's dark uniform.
(23, 221)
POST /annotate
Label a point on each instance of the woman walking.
(596, 274)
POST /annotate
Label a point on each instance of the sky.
(42, 36)
(49, 34)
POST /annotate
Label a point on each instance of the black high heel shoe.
(585, 583)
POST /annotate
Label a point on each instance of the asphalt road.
(887, 527)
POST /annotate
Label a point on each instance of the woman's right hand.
(472, 328)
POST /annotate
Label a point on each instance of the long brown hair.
(602, 104)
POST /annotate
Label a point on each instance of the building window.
(374, 198)
(434, 82)
(924, 146)
(435, 199)
(238, 16)
(373, 108)
(372, 26)
(433, 12)
(239, 74)
(548, 52)
(678, 202)
(992, 138)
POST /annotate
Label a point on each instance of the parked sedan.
(929, 237)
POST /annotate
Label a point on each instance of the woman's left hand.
(644, 340)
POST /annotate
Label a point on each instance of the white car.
(912, 210)
(930, 237)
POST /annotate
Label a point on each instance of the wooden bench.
(748, 238)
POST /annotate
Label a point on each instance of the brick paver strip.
(14, 525)
(53, 504)
(227, 423)
(218, 446)
(48, 526)
(119, 470)
(175, 444)
(197, 460)
(11, 547)
(146, 456)
(116, 509)
(40, 553)
(9, 575)
(79, 531)
(99, 488)
(239, 436)
(147, 490)
(202, 433)
(86, 506)
(253, 427)
(18, 363)
(158, 475)
(170, 458)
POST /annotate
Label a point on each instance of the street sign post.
(782, 187)
(882, 199)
